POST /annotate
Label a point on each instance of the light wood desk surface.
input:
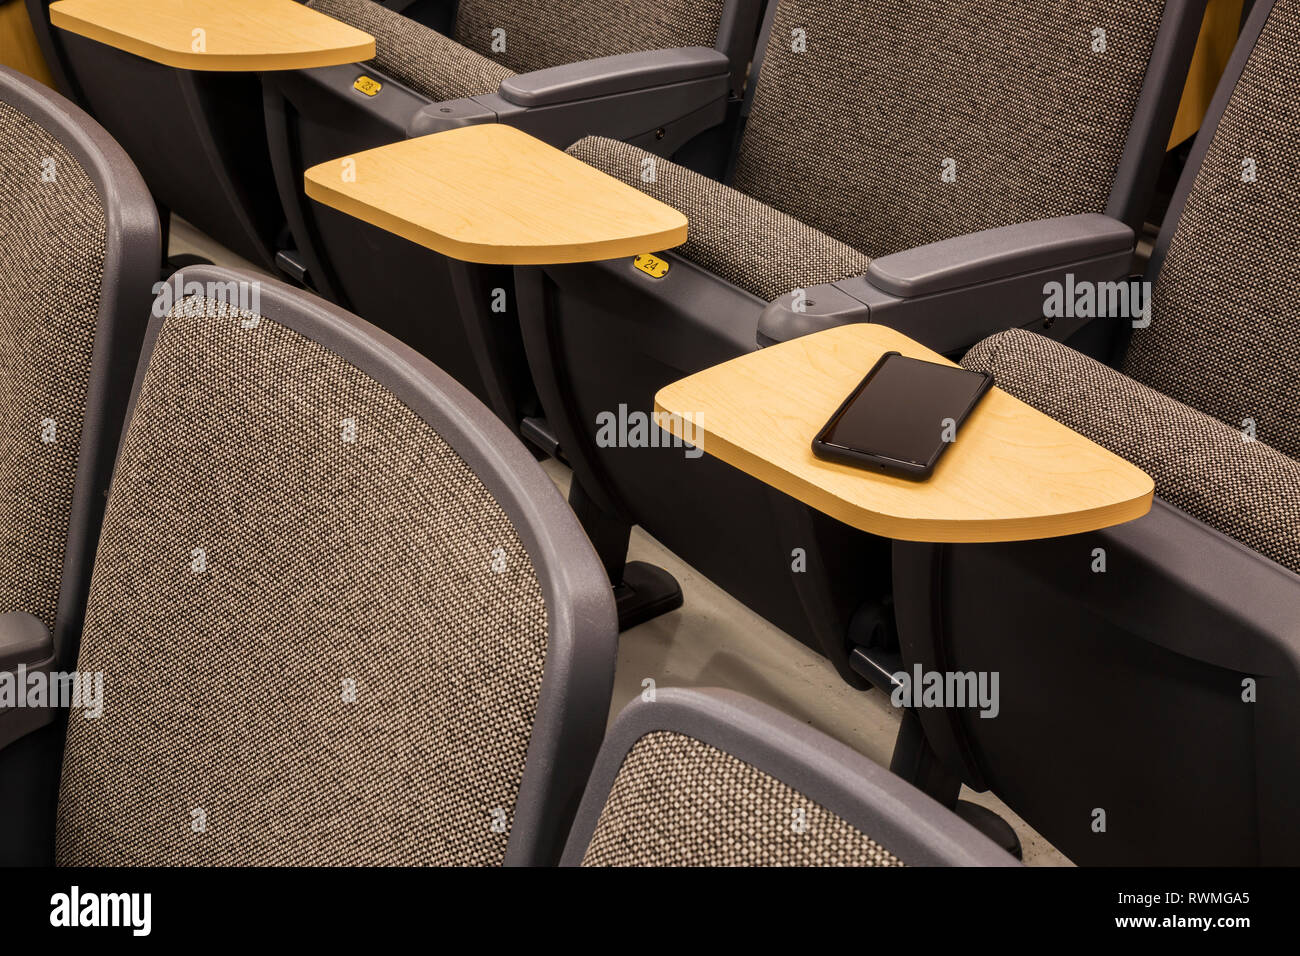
(493, 194)
(1012, 474)
(230, 35)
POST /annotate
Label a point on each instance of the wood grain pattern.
(1214, 48)
(493, 194)
(18, 47)
(237, 35)
(1013, 474)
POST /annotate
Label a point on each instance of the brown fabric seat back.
(323, 631)
(909, 122)
(1224, 336)
(52, 230)
(679, 802)
(708, 777)
(78, 256)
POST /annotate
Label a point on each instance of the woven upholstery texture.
(323, 560)
(417, 56)
(575, 30)
(1225, 330)
(52, 249)
(1245, 489)
(443, 68)
(737, 237)
(851, 135)
(678, 801)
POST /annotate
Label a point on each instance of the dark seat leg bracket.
(916, 762)
(642, 591)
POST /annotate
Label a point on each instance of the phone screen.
(900, 409)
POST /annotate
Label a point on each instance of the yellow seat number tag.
(652, 266)
(366, 85)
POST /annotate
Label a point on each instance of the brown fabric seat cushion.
(760, 249)
(417, 56)
(678, 801)
(1246, 489)
(472, 64)
(380, 560)
(537, 37)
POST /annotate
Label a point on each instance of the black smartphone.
(903, 416)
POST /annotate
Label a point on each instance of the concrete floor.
(715, 641)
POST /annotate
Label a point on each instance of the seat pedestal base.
(642, 591)
(916, 762)
(991, 825)
(646, 592)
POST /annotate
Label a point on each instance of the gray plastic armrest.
(948, 295)
(609, 75)
(998, 253)
(23, 640)
(658, 100)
